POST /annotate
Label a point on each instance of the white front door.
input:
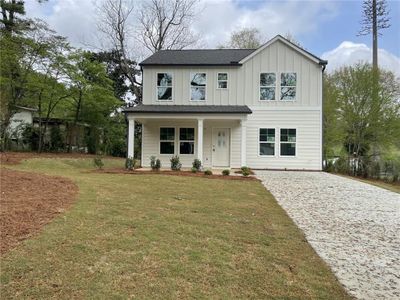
(221, 147)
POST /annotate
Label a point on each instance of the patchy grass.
(164, 237)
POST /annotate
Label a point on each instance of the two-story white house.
(260, 108)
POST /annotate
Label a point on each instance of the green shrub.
(98, 162)
(56, 139)
(92, 140)
(155, 163)
(208, 172)
(245, 171)
(244, 168)
(30, 136)
(175, 163)
(226, 172)
(130, 163)
(197, 164)
(193, 170)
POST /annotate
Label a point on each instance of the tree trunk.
(73, 127)
(374, 37)
(39, 150)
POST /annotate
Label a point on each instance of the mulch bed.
(29, 201)
(174, 173)
(13, 158)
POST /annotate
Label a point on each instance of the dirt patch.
(29, 201)
(13, 158)
(173, 173)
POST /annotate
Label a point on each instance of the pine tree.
(375, 18)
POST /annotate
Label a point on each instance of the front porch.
(217, 139)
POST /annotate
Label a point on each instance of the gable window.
(288, 142)
(198, 86)
(288, 86)
(267, 86)
(222, 80)
(267, 141)
(164, 86)
(167, 140)
(186, 140)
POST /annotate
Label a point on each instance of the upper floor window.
(167, 140)
(288, 142)
(267, 141)
(288, 86)
(164, 86)
(267, 86)
(222, 80)
(198, 86)
(186, 140)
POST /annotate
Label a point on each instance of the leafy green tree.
(333, 131)
(363, 115)
(20, 54)
(92, 97)
(44, 87)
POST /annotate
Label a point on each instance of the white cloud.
(76, 19)
(349, 53)
(219, 18)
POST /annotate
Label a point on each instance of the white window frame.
(160, 140)
(280, 142)
(268, 86)
(287, 86)
(194, 140)
(172, 87)
(218, 81)
(190, 86)
(265, 142)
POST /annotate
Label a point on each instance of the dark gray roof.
(186, 109)
(206, 57)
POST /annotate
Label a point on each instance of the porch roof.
(189, 109)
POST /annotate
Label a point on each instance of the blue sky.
(344, 26)
(326, 28)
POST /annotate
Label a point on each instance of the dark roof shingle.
(206, 57)
(185, 109)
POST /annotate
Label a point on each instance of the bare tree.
(165, 24)
(245, 38)
(291, 38)
(113, 22)
(375, 18)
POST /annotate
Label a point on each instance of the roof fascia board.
(196, 65)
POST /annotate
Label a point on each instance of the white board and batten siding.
(243, 81)
(151, 141)
(304, 113)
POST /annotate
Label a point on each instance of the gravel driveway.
(353, 226)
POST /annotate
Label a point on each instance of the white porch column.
(243, 143)
(131, 137)
(200, 139)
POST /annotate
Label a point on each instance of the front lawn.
(165, 237)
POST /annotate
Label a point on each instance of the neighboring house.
(26, 116)
(260, 108)
(23, 117)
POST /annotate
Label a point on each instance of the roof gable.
(296, 48)
(218, 57)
